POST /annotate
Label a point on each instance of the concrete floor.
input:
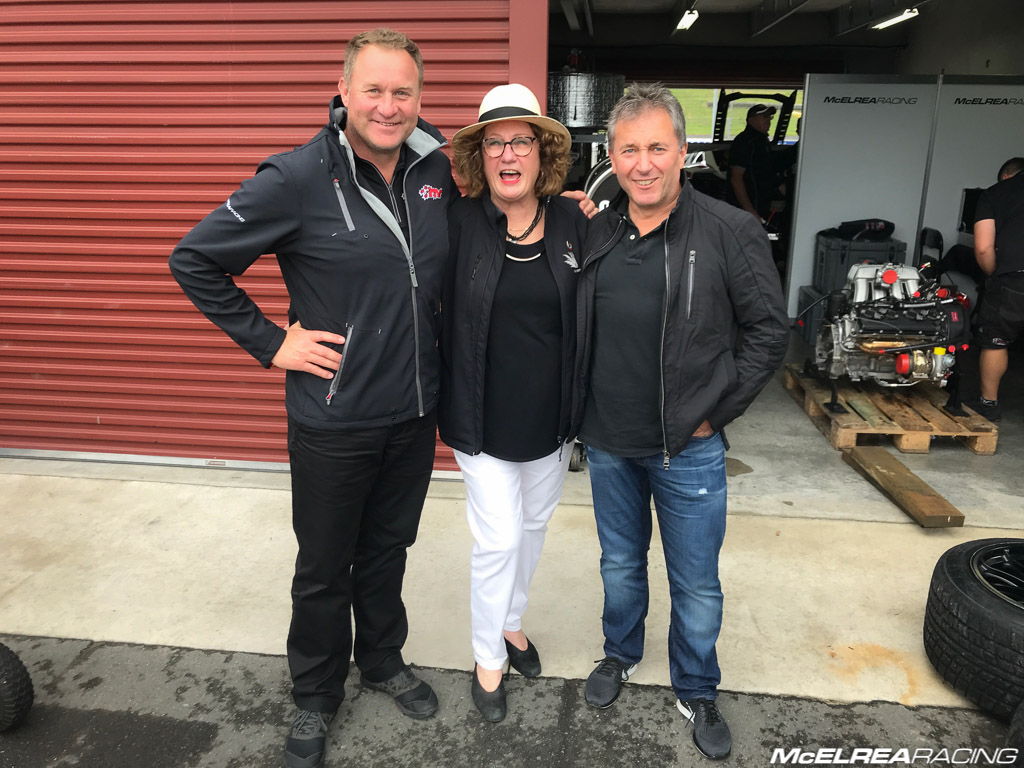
(825, 583)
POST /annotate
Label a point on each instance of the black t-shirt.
(523, 373)
(1004, 202)
(750, 151)
(623, 410)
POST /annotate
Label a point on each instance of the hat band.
(505, 113)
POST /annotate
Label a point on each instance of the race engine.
(892, 326)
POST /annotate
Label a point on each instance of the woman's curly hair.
(468, 155)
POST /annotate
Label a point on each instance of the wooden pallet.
(912, 416)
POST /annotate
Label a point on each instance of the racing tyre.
(15, 689)
(1015, 736)
(974, 623)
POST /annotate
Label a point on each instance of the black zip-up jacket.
(348, 270)
(477, 236)
(724, 324)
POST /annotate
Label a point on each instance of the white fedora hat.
(512, 102)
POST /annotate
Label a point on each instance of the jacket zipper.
(344, 206)
(414, 295)
(689, 282)
(661, 353)
(336, 381)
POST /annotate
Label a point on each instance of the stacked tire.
(15, 690)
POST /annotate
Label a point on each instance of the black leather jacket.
(476, 235)
(724, 326)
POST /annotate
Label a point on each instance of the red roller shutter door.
(123, 124)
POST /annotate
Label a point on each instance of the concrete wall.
(980, 37)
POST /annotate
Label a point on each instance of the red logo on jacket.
(428, 192)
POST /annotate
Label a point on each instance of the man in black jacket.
(681, 323)
(357, 218)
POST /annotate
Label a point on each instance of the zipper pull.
(412, 275)
(693, 256)
(665, 460)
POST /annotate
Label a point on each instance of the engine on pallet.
(892, 326)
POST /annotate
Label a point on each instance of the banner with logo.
(863, 152)
(979, 126)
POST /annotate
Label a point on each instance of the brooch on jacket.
(570, 258)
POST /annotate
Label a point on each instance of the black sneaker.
(990, 412)
(606, 681)
(307, 739)
(412, 696)
(710, 731)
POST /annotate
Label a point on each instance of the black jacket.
(476, 234)
(347, 268)
(724, 326)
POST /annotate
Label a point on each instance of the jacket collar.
(424, 138)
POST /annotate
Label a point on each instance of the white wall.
(863, 150)
(979, 126)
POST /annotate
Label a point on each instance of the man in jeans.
(681, 323)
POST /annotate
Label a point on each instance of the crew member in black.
(752, 178)
(999, 249)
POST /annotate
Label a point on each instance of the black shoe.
(526, 663)
(307, 739)
(990, 412)
(412, 696)
(606, 681)
(492, 704)
(710, 731)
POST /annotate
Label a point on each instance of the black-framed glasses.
(521, 146)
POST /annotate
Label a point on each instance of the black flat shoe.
(492, 704)
(526, 663)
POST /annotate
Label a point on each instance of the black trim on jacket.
(476, 234)
(725, 328)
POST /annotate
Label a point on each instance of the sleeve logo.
(428, 192)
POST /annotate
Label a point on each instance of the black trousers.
(357, 496)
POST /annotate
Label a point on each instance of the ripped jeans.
(690, 500)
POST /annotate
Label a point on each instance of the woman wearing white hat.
(507, 351)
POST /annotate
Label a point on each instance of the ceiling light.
(908, 13)
(689, 17)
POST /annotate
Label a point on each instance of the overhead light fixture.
(908, 13)
(688, 19)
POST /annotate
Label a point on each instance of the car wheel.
(974, 623)
(15, 689)
(1015, 735)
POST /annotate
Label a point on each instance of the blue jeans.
(689, 498)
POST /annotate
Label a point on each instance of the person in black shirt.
(507, 350)
(752, 178)
(999, 249)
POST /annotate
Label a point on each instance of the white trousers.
(508, 505)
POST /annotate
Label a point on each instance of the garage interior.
(825, 579)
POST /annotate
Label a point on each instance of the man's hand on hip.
(704, 430)
(302, 351)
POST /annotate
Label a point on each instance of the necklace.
(529, 229)
(522, 258)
